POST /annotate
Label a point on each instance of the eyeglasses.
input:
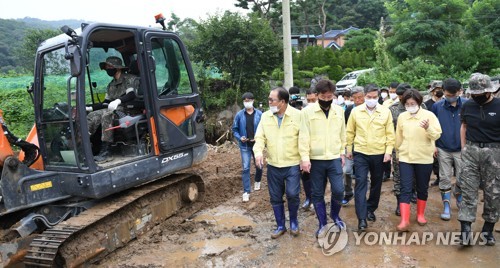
(270, 100)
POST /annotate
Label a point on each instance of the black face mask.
(481, 99)
(439, 93)
(324, 104)
(111, 72)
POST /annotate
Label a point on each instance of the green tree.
(421, 26)
(27, 51)
(244, 48)
(360, 40)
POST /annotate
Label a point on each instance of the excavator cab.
(160, 134)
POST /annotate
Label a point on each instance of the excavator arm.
(7, 139)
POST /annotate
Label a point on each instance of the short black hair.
(324, 86)
(452, 85)
(412, 94)
(402, 88)
(394, 85)
(247, 95)
(282, 93)
(371, 88)
(294, 90)
(310, 91)
(346, 94)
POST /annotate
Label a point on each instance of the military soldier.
(121, 89)
(481, 157)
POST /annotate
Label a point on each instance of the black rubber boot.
(488, 233)
(466, 233)
(105, 153)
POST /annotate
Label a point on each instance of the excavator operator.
(120, 90)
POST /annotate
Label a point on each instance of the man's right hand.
(259, 160)
(243, 139)
(305, 166)
(349, 156)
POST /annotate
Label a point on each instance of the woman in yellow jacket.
(416, 132)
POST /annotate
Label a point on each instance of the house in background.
(300, 41)
(334, 38)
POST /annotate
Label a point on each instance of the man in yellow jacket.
(370, 129)
(321, 145)
(278, 131)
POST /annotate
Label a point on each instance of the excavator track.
(114, 222)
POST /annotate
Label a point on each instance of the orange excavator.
(61, 208)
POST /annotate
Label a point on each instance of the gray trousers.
(446, 162)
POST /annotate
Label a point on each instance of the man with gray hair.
(358, 95)
(481, 158)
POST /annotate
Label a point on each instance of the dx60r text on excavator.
(58, 206)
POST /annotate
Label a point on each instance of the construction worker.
(322, 143)
(480, 158)
(120, 90)
(278, 131)
(244, 128)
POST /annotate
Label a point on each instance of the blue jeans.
(281, 180)
(422, 175)
(246, 156)
(363, 164)
(321, 170)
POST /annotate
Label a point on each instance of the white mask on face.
(274, 109)
(248, 105)
(348, 102)
(383, 95)
(370, 103)
(393, 96)
(412, 109)
(340, 100)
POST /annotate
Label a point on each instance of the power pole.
(287, 46)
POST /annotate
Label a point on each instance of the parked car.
(350, 80)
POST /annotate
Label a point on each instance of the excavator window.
(171, 74)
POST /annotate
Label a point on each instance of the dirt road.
(227, 232)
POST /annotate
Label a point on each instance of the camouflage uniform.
(481, 154)
(116, 89)
(480, 166)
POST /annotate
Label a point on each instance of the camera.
(296, 101)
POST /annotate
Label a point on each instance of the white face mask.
(274, 109)
(248, 105)
(348, 102)
(370, 103)
(340, 100)
(393, 96)
(383, 95)
(412, 109)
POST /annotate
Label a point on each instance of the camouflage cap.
(434, 84)
(480, 83)
(113, 61)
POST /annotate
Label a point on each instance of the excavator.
(61, 208)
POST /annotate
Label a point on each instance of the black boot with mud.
(466, 233)
(488, 233)
(105, 154)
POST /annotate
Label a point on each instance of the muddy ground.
(227, 232)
